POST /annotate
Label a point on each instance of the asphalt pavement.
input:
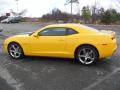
(38, 73)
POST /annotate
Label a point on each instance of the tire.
(15, 51)
(86, 55)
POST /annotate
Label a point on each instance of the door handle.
(61, 40)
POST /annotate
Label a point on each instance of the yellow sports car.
(85, 44)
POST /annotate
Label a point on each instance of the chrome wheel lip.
(86, 56)
(15, 51)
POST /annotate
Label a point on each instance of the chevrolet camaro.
(85, 44)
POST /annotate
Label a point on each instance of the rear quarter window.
(89, 28)
(71, 31)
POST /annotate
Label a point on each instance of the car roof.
(64, 25)
(77, 26)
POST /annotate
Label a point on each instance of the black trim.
(60, 27)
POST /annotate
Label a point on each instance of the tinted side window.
(71, 31)
(53, 32)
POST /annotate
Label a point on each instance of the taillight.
(113, 38)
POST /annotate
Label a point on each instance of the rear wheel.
(86, 55)
(15, 51)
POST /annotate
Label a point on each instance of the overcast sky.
(36, 8)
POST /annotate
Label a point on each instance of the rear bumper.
(108, 49)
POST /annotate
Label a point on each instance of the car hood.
(25, 33)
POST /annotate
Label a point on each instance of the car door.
(49, 42)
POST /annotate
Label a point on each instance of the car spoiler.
(112, 33)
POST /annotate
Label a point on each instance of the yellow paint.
(64, 46)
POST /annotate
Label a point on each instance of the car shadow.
(27, 59)
(42, 59)
(104, 65)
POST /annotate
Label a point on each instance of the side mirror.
(35, 35)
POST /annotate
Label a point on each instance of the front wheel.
(86, 55)
(15, 51)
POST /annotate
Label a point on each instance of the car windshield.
(89, 28)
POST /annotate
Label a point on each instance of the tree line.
(57, 15)
(94, 15)
(88, 15)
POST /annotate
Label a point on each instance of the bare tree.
(117, 3)
(95, 11)
(18, 14)
(71, 2)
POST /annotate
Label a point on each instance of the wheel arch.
(86, 45)
(16, 43)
